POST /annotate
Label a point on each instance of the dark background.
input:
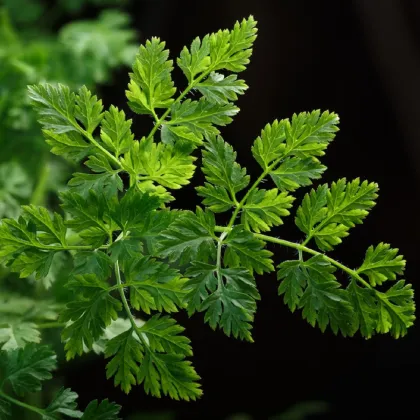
(361, 60)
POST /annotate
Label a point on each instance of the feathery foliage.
(133, 252)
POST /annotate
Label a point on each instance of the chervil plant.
(136, 257)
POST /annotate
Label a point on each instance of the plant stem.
(38, 194)
(303, 248)
(178, 99)
(54, 324)
(125, 303)
(219, 258)
(22, 404)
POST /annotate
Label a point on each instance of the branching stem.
(303, 248)
(22, 404)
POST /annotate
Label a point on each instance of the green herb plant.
(137, 259)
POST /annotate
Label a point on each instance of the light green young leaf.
(245, 250)
(24, 369)
(154, 285)
(381, 264)
(327, 214)
(150, 84)
(264, 209)
(307, 135)
(88, 109)
(195, 60)
(90, 314)
(189, 238)
(116, 131)
(231, 50)
(220, 89)
(201, 117)
(64, 403)
(295, 172)
(396, 309)
(228, 295)
(161, 163)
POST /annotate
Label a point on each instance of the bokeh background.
(359, 58)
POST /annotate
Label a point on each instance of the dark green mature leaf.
(381, 264)
(53, 228)
(25, 369)
(327, 214)
(69, 145)
(201, 117)
(220, 167)
(169, 374)
(366, 308)
(116, 132)
(396, 309)
(105, 410)
(161, 163)
(189, 238)
(91, 211)
(126, 352)
(104, 180)
(264, 209)
(245, 250)
(154, 285)
(150, 84)
(323, 301)
(228, 295)
(220, 89)
(5, 411)
(293, 282)
(307, 135)
(163, 335)
(90, 314)
(92, 262)
(56, 107)
(296, 172)
(64, 403)
(134, 208)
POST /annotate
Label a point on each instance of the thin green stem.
(22, 404)
(303, 248)
(219, 259)
(178, 99)
(125, 303)
(38, 195)
(94, 142)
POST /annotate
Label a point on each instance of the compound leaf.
(150, 84)
(381, 264)
(264, 209)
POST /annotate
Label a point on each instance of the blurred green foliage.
(33, 50)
